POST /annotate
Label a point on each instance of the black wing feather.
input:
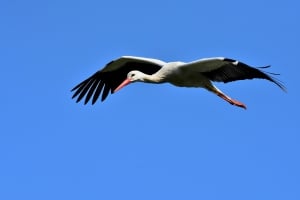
(109, 80)
(233, 70)
(91, 91)
(85, 90)
(79, 88)
(98, 91)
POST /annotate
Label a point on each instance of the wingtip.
(283, 88)
(74, 95)
(272, 78)
(279, 84)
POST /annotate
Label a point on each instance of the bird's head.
(132, 76)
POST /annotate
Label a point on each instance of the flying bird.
(200, 73)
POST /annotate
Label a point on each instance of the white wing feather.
(204, 64)
(116, 64)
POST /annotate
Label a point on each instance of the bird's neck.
(154, 78)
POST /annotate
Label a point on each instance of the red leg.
(231, 101)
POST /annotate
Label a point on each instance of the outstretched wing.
(225, 70)
(112, 75)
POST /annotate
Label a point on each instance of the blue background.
(147, 141)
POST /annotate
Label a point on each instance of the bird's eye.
(132, 75)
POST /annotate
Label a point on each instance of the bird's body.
(200, 73)
(178, 74)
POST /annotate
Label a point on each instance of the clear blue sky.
(147, 141)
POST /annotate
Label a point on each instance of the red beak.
(123, 84)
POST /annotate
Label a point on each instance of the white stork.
(128, 69)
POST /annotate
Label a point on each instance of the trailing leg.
(227, 98)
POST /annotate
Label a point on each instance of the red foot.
(231, 101)
(237, 103)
